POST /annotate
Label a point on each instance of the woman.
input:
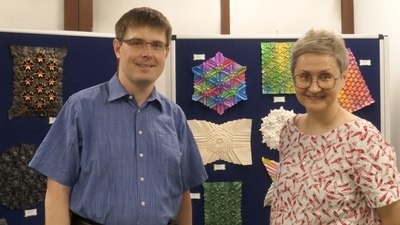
(335, 168)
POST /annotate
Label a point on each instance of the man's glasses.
(324, 81)
(141, 44)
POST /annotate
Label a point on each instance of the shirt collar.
(155, 98)
(116, 91)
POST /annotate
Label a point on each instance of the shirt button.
(141, 155)
(141, 178)
(140, 132)
(142, 203)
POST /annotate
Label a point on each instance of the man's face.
(141, 58)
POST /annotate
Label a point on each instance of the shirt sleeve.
(193, 170)
(58, 155)
(375, 171)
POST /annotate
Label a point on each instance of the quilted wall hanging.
(219, 83)
(355, 94)
(229, 141)
(37, 81)
(222, 203)
(275, 65)
(20, 186)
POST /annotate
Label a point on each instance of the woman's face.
(318, 67)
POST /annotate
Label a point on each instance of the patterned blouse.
(338, 177)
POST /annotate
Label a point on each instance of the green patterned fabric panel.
(222, 203)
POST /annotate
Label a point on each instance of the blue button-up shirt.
(126, 165)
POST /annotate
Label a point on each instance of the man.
(120, 153)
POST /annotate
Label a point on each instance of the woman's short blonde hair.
(321, 42)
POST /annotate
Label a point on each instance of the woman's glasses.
(324, 81)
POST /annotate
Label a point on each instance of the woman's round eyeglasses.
(324, 81)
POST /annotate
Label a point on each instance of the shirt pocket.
(170, 153)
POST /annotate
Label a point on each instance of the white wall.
(191, 17)
(247, 17)
(381, 17)
(186, 16)
(284, 16)
(37, 14)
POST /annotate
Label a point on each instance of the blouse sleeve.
(375, 169)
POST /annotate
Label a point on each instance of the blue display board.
(90, 60)
(247, 52)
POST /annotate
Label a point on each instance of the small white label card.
(219, 167)
(279, 99)
(199, 57)
(30, 212)
(365, 62)
(195, 196)
(52, 120)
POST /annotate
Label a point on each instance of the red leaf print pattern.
(376, 167)
(335, 177)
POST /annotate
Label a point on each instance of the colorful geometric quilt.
(275, 65)
(219, 83)
(355, 94)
